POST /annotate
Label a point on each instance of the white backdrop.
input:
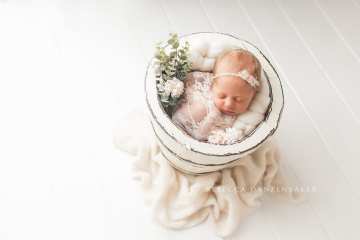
(70, 69)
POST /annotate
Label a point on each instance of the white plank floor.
(70, 69)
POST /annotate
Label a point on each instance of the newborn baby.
(212, 101)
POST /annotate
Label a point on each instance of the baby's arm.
(193, 114)
(195, 120)
(206, 125)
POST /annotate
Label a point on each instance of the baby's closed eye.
(239, 99)
(221, 95)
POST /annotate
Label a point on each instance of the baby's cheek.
(242, 107)
(217, 103)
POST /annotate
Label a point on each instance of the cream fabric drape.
(180, 200)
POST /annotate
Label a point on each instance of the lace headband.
(244, 74)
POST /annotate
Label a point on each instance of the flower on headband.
(244, 74)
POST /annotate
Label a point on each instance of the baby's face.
(232, 95)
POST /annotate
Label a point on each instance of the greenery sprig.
(172, 66)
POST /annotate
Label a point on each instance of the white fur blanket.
(179, 200)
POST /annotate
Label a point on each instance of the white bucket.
(195, 157)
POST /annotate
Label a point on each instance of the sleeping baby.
(212, 101)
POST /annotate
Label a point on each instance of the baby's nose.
(229, 102)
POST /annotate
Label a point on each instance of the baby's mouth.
(228, 112)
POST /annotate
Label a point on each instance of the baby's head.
(232, 94)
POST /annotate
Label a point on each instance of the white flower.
(178, 89)
(227, 136)
(244, 74)
(231, 135)
(216, 137)
(168, 88)
(174, 86)
(160, 87)
(253, 82)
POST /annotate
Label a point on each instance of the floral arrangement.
(172, 67)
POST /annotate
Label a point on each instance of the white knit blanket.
(179, 200)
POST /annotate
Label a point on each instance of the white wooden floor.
(70, 69)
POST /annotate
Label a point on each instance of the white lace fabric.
(196, 112)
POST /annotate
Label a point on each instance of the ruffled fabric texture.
(180, 200)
